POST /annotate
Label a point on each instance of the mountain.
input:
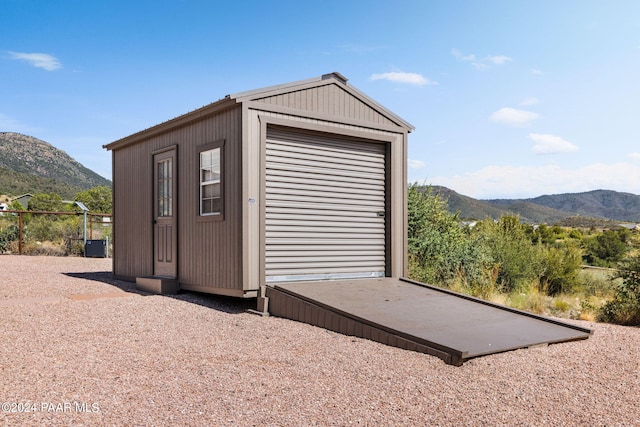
(30, 165)
(597, 203)
(592, 207)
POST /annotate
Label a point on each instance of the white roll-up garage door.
(325, 207)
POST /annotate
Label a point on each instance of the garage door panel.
(335, 167)
(323, 155)
(373, 203)
(336, 182)
(327, 234)
(373, 242)
(314, 172)
(294, 206)
(305, 273)
(325, 193)
(371, 224)
(325, 207)
(309, 142)
(301, 214)
(324, 253)
(298, 219)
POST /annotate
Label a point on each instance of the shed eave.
(182, 120)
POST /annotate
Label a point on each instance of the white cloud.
(408, 78)
(550, 144)
(530, 101)
(480, 64)
(498, 59)
(513, 117)
(536, 72)
(494, 182)
(635, 156)
(461, 56)
(38, 60)
(416, 164)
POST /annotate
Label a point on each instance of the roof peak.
(336, 75)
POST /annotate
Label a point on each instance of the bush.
(606, 249)
(561, 270)
(624, 308)
(8, 235)
(440, 250)
(45, 248)
(508, 244)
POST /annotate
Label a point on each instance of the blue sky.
(509, 99)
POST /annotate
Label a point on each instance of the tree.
(16, 206)
(607, 248)
(97, 199)
(46, 202)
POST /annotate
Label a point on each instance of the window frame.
(215, 216)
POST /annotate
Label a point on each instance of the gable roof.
(334, 84)
(279, 96)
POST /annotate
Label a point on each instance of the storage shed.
(294, 182)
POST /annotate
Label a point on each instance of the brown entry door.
(164, 221)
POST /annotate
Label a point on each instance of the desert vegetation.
(587, 274)
(53, 234)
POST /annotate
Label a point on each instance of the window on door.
(165, 181)
(211, 194)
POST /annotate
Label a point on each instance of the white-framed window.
(211, 181)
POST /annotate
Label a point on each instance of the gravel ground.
(79, 348)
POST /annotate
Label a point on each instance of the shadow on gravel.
(217, 302)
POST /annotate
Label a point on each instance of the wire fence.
(55, 233)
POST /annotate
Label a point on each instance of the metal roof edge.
(165, 126)
(383, 110)
(251, 94)
(233, 99)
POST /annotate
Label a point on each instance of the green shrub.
(597, 283)
(607, 248)
(440, 250)
(508, 245)
(8, 235)
(624, 308)
(561, 270)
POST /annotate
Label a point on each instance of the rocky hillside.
(30, 165)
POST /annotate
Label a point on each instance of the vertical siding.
(331, 100)
(133, 238)
(209, 253)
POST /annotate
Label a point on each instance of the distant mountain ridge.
(550, 209)
(30, 165)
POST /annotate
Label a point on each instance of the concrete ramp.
(415, 316)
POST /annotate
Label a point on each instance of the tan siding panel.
(209, 252)
(212, 250)
(133, 240)
(328, 99)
